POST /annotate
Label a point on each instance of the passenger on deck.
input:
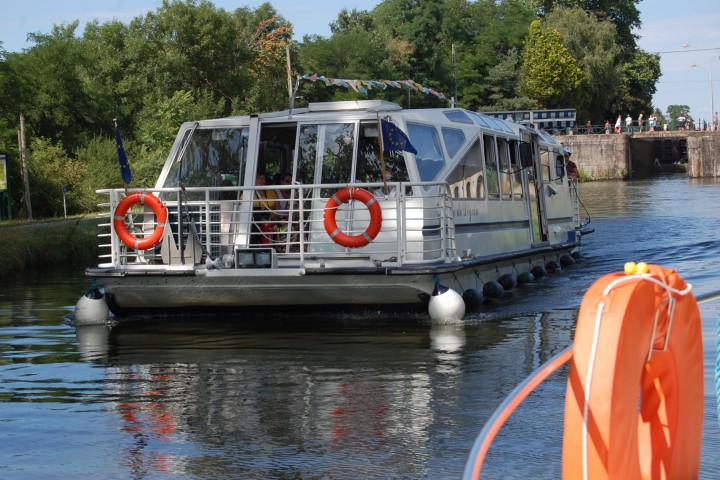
(264, 201)
(281, 214)
(282, 203)
(570, 167)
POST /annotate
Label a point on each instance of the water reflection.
(93, 341)
(320, 398)
(327, 398)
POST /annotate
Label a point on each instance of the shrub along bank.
(41, 245)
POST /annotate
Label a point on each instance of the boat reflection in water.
(309, 400)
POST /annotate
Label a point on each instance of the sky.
(683, 32)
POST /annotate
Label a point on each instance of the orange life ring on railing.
(638, 336)
(161, 215)
(342, 238)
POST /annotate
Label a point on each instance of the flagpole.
(289, 71)
(382, 156)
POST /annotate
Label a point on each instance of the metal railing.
(213, 224)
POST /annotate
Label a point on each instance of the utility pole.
(454, 64)
(23, 166)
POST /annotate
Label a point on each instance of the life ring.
(161, 215)
(638, 336)
(342, 238)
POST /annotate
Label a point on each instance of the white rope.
(596, 334)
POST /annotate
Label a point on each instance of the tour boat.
(352, 204)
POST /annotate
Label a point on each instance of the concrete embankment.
(639, 155)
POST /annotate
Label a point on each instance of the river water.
(331, 398)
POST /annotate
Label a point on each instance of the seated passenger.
(264, 202)
(285, 204)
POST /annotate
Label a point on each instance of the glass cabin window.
(457, 116)
(545, 163)
(337, 152)
(467, 180)
(327, 149)
(491, 167)
(430, 159)
(307, 154)
(213, 157)
(505, 170)
(369, 168)
(454, 140)
(516, 169)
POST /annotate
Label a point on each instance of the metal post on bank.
(4, 187)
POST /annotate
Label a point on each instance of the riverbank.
(48, 243)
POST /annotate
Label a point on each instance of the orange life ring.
(161, 215)
(342, 238)
(638, 336)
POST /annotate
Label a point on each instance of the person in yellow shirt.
(264, 201)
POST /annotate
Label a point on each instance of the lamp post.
(712, 94)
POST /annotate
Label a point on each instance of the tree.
(674, 112)
(426, 29)
(637, 79)
(488, 60)
(592, 44)
(623, 14)
(348, 21)
(99, 160)
(272, 40)
(356, 50)
(50, 168)
(54, 99)
(549, 74)
(503, 80)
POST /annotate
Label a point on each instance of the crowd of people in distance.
(651, 124)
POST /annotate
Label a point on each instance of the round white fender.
(91, 309)
(446, 305)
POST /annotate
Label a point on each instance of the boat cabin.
(341, 189)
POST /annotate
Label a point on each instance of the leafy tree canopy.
(188, 59)
(549, 73)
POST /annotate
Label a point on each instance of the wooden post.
(383, 171)
(289, 72)
(23, 167)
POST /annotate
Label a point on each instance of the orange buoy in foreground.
(634, 400)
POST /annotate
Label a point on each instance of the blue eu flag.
(395, 139)
(122, 158)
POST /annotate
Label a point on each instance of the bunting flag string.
(362, 86)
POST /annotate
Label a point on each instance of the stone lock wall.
(600, 156)
(704, 155)
(634, 155)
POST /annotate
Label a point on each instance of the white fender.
(446, 305)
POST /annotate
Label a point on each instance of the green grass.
(68, 241)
